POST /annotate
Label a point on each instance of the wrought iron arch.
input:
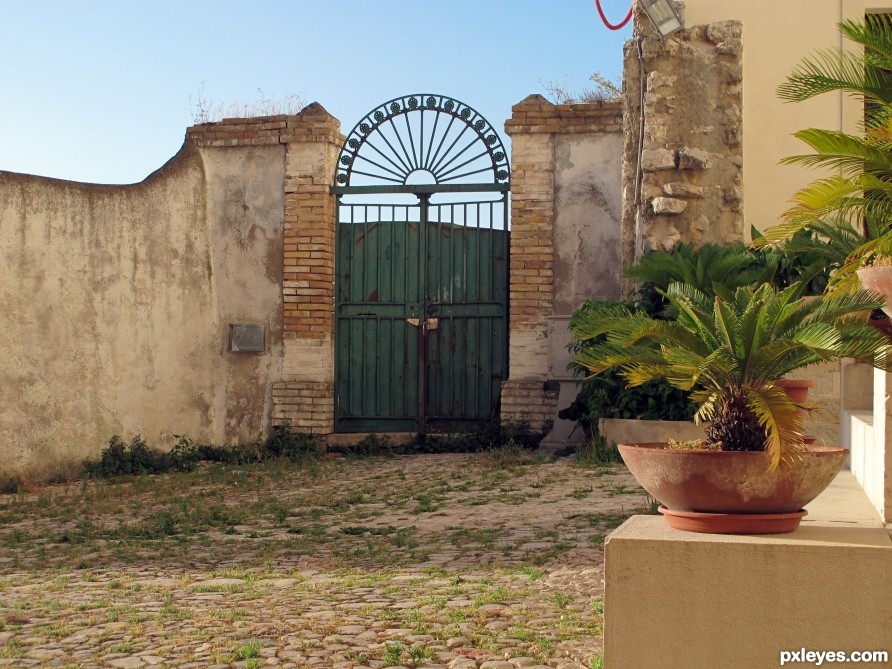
(422, 133)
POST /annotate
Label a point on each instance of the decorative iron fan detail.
(423, 133)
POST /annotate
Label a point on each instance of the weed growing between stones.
(137, 458)
(466, 549)
(597, 451)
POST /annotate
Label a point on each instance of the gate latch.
(432, 323)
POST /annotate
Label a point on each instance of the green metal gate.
(422, 269)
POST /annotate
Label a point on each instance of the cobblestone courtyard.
(490, 561)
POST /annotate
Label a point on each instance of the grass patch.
(137, 458)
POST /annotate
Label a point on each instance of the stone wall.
(120, 300)
(683, 158)
(565, 240)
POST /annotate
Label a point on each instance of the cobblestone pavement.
(455, 561)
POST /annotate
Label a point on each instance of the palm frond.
(695, 312)
(782, 422)
(599, 320)
(832, 70)
(850, 154)
(638, 373)
(834, 307)
(708, 399)
(875, 35)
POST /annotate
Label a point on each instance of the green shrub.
(121, 459)
(489, 434)
(608, 395)
(297, 447)
(477, 437)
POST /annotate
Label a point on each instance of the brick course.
(304, 398)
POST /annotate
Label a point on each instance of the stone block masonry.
(683, 152)
(304, 397)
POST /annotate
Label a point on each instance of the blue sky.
(100, 91)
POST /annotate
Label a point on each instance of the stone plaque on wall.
(247, 338)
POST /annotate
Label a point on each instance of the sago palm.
(708, 268)
(859, 195)
(731, 353)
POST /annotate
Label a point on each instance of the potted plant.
(752, 473)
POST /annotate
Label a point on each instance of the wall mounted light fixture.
(666, 15)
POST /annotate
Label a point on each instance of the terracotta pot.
(730, 481)
(878, 279)
(796, 389)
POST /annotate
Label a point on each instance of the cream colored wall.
(684, 599)
(776, 36)
(116, 302)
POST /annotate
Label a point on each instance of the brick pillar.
(531, 283)
(538, 129)
(304, 398)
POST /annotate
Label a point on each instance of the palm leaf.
(782, 422)
(831, 70)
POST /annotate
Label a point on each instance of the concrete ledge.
(678, 600)
(629, 431)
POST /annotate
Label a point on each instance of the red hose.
(608, 23)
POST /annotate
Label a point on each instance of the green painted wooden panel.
(392, 267)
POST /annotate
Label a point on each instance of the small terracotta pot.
(731, 481)
(796, 389)
(878, 279)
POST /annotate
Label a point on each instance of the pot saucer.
(733, 523)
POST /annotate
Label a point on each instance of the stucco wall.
(116, 302)
(587, 245)
(566, 165)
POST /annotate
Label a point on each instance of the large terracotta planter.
(878, 279)
(725, 482)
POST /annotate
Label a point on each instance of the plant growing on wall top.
(206, 110)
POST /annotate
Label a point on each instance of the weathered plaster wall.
(565, 243)
(245, 204)
(303, 393)
(587, 245)
(116, 303)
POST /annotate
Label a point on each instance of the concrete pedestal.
(678, 600)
